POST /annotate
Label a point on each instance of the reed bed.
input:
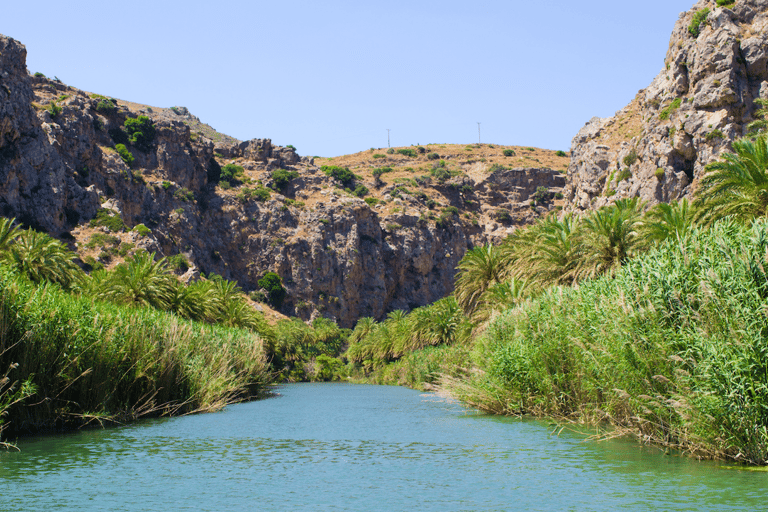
(71, 361)
(672, 348)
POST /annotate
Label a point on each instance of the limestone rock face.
(656, 148)
(338, 256)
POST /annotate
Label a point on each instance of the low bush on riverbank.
(422, 368)
(74, 360)
(673, 348)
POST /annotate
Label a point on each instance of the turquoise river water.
(354, 447)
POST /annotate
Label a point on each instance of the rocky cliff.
(388, 238)
(657, 147)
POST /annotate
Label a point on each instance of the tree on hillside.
(736, 185)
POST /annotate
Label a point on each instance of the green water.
(347, 447)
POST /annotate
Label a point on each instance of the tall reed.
(673, 348)
(74, 360)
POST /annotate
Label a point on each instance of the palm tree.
(608, 238)
(142, 281)
(9, 231)
(737, 185)
(42, 258)
(502, 296)
(546, 252)
(666, 221)
(480, 268)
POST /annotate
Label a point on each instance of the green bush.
(560, 153)
(273, 285)
(141, 229)
(665, 113)
(379, 155)
(232, 174)
(54, 110)
(509, 152)
(407, 152)
(699, 17)
(659, 173)
(360, 190)
(282, 177)
(390, 151)
(106, 107)
(433, 156)
(178, 262)
(141, 132)
(124, 154)
(261, 194)
(372, 201)
(341, 174)
(714, 134)
(184, 194)
(109, 219)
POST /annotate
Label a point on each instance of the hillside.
(352, 236)
(657, 147)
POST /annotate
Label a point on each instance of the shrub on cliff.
(232, 174)
(341, 174)
(281, 178)
(699, 17)
(124, 154)
(273, 285)
(141, 132)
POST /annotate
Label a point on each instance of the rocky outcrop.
(656, 148)
(338, 255)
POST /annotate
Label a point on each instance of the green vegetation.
(281, 178)
(662, 338)
(737, 185)
(631, 158)
(666, 112)
(141, 132)
(142, 230)
(433, 156)
(124, 154)
(54, 110)
(560, 153)
(509, 152)
(407, 152)
(232, 174)
(659, 173)
(699, 17)
(109, 219)
(184, 194)
(341, 174)
(714, 134)
(273, 286)
(106, 106)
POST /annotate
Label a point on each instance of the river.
(356, 447)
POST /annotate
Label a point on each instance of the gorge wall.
(338, 255)
(656, 148)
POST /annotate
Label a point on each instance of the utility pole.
(388, 144)
(478, 133)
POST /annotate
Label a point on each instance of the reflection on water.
(345, 447)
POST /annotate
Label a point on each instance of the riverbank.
(672, 349)
(69, 361)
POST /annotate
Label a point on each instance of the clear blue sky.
(330, 77)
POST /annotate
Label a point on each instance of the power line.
(388, 145)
